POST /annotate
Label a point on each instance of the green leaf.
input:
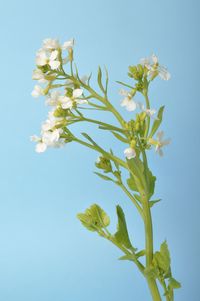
(173, 283)
(119, 137)
(106, 178)
(157, 122)
(151, 182)
(121, 235)
(162, 259)
(99, 79)
(140, 253)
(131, 183)
(130, 257)
(94, 218)
(153, 202)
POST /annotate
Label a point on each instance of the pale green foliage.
(94, 218)
(121, 235)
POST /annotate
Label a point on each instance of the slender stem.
(148, 107)
(134, 201)
(100, 150)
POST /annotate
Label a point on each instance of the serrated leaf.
(121, 235)
(173, 283)
(157, 122)
(153, 202)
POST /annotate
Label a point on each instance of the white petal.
(77, 93)
(154, 58)
(35, 138)
(54, 64)
(68, 44)
(166, 142)
(81, 101)
(131, 106)
(125, 101)
(163, 73)
(40, 147)
(67, 105)
(123, 92)
(53, 55)
(160, 135)
(129, 153)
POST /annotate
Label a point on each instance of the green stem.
(134, 201)
(145, 93)
(100, 150)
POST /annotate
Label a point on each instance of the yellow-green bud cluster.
(136, 72)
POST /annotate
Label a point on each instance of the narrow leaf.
(157, 122)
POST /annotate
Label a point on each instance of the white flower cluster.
(50, 56)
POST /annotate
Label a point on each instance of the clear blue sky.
(45, 253)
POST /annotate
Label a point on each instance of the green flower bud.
(104, 164)
(133, 143)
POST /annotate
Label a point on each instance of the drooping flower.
(37, 91)
(128, 102)
(130, 153)
(154, 68)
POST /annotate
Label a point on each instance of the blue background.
(45, 254)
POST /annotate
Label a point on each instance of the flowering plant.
(69, 95)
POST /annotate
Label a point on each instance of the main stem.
(149, 250)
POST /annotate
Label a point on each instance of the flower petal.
(77, 93)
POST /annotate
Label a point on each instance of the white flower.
(53, 99)
(50, 44)
(130, 153)
(39, 75)
(35, 138)
(128, 102)
(68, 102)
(37, 91)
(68, 45)
(40, 147)
(41, 58)
(44, 57)
(51, 137)
(54, 63)
(160, 143)
(51, 122)
(154, 67)
(149, 112)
